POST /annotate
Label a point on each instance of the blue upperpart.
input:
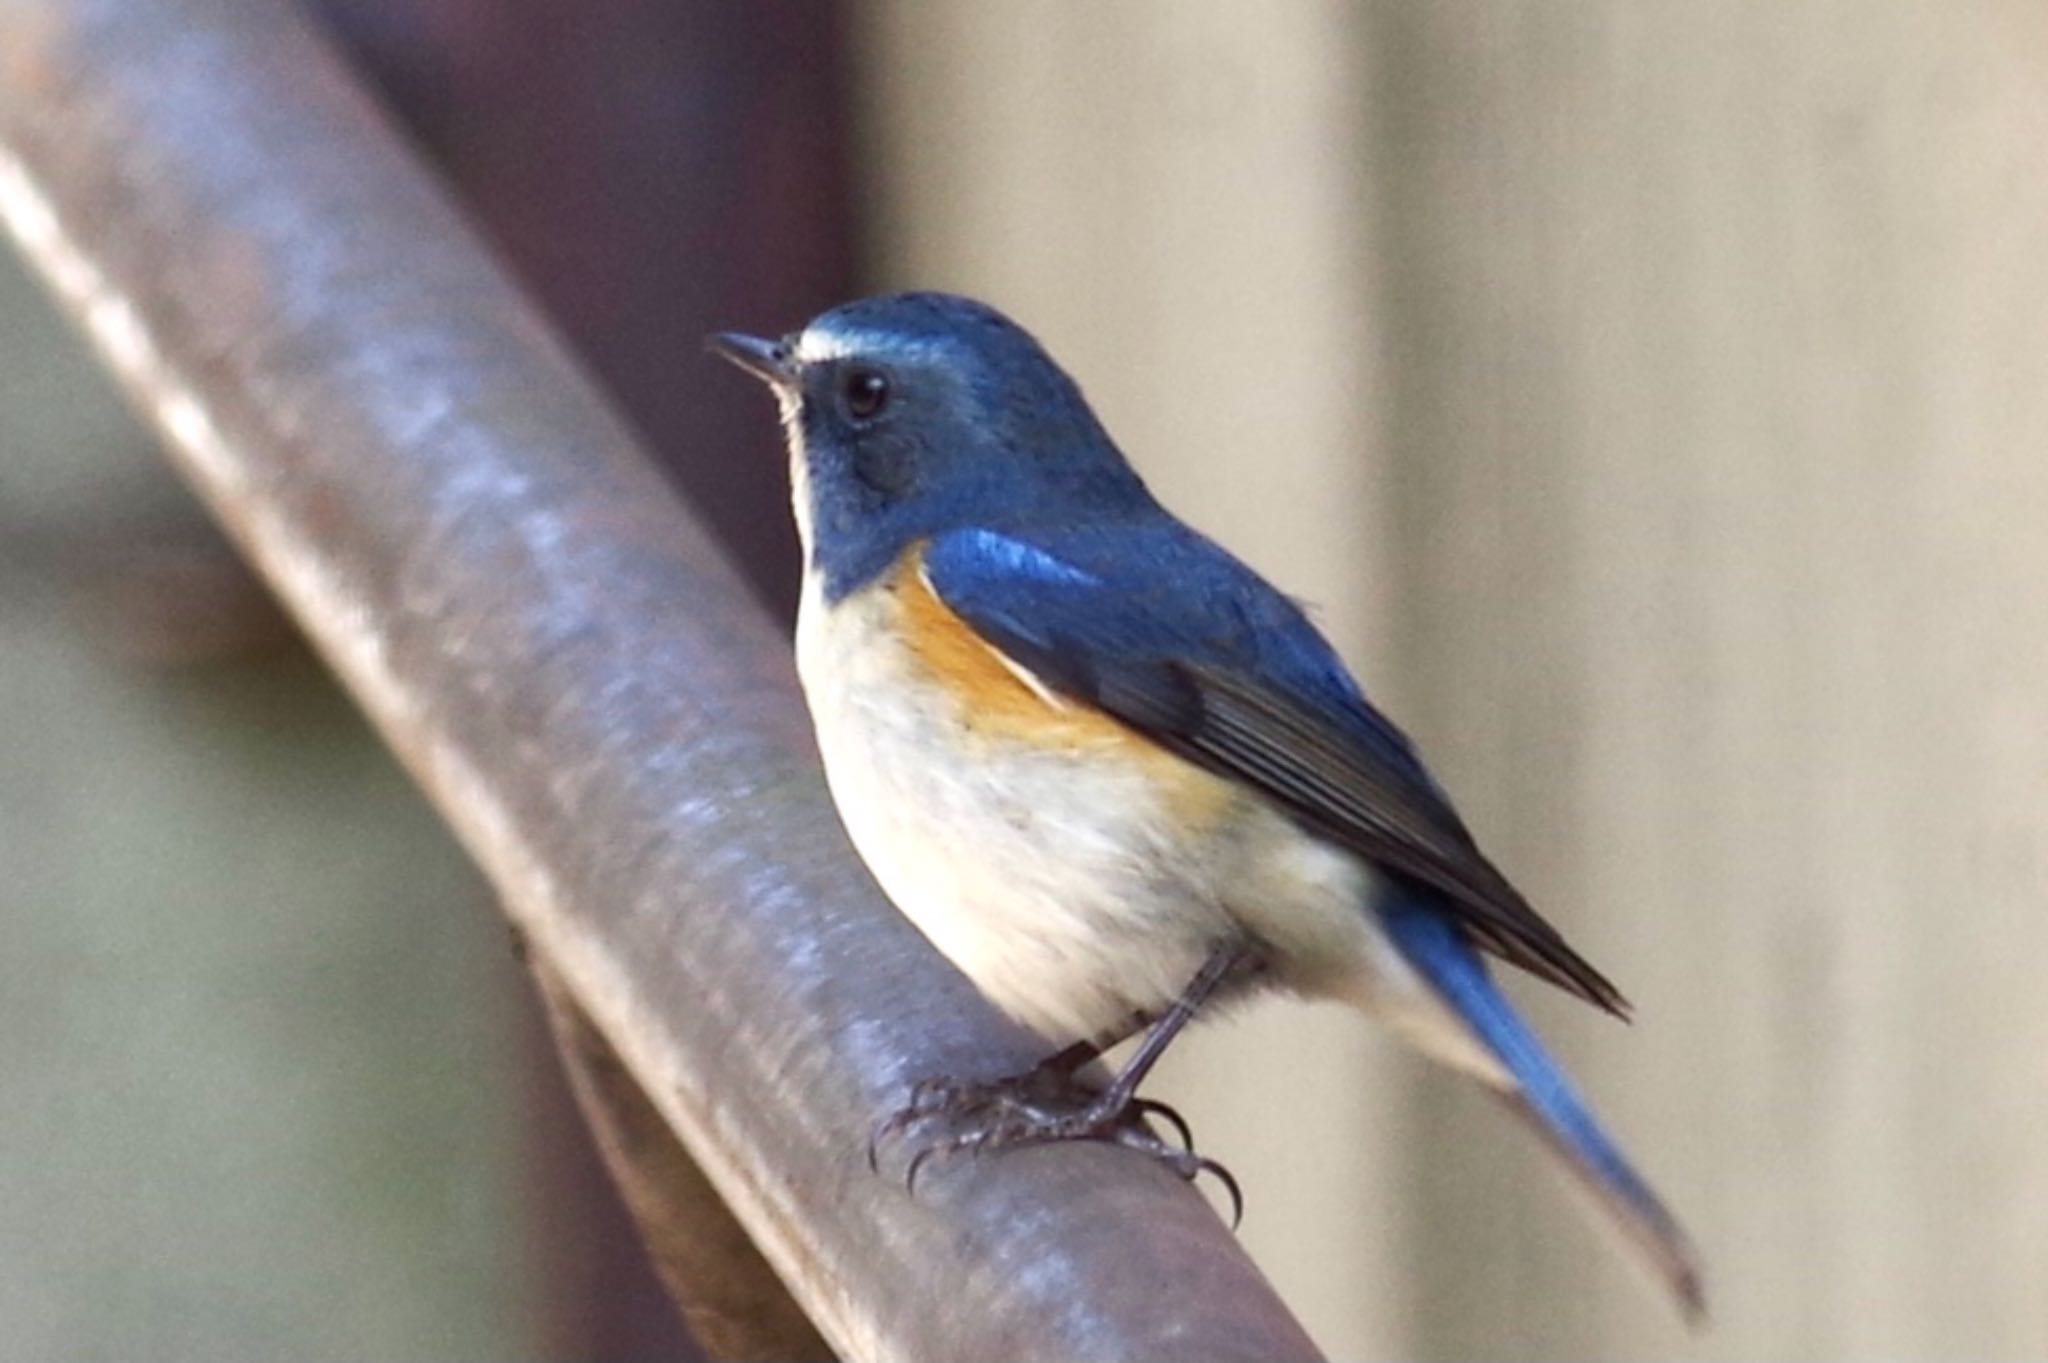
(1143, 587)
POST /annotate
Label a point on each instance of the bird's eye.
(865, 393)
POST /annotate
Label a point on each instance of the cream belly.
(1067, 883)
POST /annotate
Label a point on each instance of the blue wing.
(1159, 627)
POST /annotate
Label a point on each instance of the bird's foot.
(1039, 1107)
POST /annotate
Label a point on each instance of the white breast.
(1058, 886)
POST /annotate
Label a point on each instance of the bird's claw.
(1040, 1107)
(1149, 1108)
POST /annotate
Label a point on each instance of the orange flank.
(1000, 703)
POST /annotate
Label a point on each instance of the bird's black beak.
(768, 361)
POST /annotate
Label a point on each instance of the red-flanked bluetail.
(1107, 769)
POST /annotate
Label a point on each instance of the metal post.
(550, 643)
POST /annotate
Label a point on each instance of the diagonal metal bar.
(547, 639)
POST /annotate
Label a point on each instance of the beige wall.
(1655, 399)
(1723, 339)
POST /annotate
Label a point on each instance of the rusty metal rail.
(548, 640)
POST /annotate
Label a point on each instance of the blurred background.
(1652, 400)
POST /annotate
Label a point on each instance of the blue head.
(917, 413)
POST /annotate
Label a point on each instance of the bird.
(1112, 773)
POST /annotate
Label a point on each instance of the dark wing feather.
(1321, 753)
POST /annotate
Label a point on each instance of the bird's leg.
(1082, 1054)
(932, 1096)
(1050, 1080)
(1085, 1052)
(937, 1096)
(1222, 963)
(1048, 1103)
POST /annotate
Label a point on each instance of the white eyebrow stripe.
(823, 341)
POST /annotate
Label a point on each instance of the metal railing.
(548, 640)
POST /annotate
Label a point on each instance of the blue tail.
(1438, 950)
